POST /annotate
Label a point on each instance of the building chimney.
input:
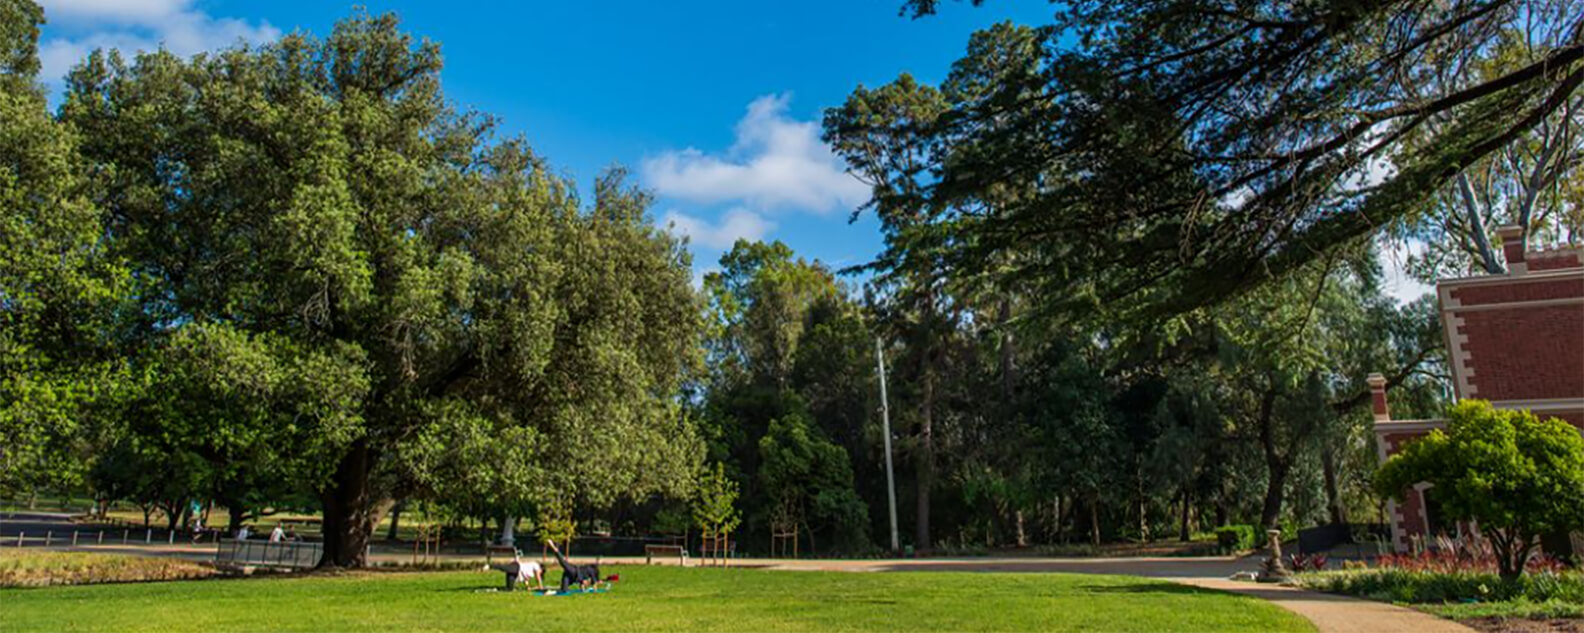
(1512, 242)
(1377, 385)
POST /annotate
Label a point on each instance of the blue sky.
(712, 105)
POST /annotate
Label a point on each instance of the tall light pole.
(885, 421)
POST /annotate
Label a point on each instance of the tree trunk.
(1333, 495)
(1275, 464)
(1270, 512)
(508, 535)
(396, 511)
(1476, 227)
(1183, 533)
(1512, 552)
(234, 517)
(1139, 505)
(1058, 530)
(925, 461)
(1094, 520)
(347, 508)
(1008, 350)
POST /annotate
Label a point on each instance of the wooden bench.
(650, 551)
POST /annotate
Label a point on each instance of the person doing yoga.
(519, 571)
(584, 576)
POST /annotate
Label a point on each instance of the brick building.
(1516, 340)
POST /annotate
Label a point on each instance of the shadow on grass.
(1149, 588)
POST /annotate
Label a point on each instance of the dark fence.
(261, 553)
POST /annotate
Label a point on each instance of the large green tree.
(58, 284)
(1189, 150)
(325, 192)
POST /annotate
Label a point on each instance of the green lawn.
(648, 599)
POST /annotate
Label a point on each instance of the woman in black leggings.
(584, 576)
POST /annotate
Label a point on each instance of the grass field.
(648, 599)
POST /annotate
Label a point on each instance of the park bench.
(652, 550)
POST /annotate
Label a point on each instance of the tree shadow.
(1153, 587)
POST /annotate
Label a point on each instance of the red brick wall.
(1575, 418)
(1486, 293)
(1394, 441)
(1526, 353)
(1553, 260)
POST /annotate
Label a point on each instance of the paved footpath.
(1332, 613)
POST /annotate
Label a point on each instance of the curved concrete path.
(1332, 613)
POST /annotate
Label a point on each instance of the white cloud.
(776, 162)
(736, 224)
(135, 25)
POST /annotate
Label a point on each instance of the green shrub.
(1421, 587)
(1236, 538)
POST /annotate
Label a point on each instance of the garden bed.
(45, 568)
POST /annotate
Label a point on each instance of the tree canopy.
(498, 338)
(1173, 154)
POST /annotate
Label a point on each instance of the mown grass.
(33, 568)
(649, 599)
(1520, 608)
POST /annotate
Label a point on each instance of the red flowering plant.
(1307, 562)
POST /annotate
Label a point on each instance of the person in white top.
(520, 571)
(243, 533)
(277, 535)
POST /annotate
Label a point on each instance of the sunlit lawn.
(648, 599)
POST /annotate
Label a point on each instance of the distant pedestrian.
(277, 535)
(243, 533)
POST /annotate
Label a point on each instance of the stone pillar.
(1378, 404)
